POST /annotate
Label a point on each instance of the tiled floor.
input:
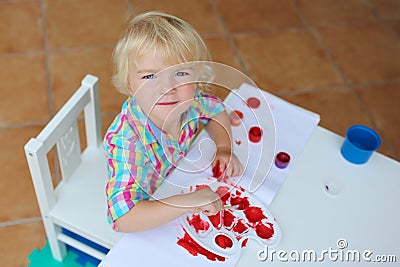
(339, 58)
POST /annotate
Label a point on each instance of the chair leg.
(58, 249)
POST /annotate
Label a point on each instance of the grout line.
(230, 38)
(319, 42)
(20, 221)
(130, 7)
(46, 50)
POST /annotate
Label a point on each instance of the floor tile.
(254, 15)
(70, 67)
(23, 81)
(338, 109)
(15, 180)
(287, 60)
(364, 52)
(222, 52)
(396, 27)
(198, 13)
(388, 9)
(19, 241)
(383, 103)
(71, 23)
(336, 11)
(21, 29)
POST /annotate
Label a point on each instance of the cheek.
(187, 91)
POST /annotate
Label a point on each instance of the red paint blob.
(198, 224)
(228, 218)
(254, 214)
(253, 102)
(255, 134)
(264, 231)
(215, 220)
(235, 117)
(217, 173)
(195, 249)
(240, 227)
(223, 241)
(244, 243)
(242, 203)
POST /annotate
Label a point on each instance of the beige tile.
(67, 69)
(338, 109)
(222, 52)
(383, 103)
(77, 23)
(288, 60)
(23, 87)
(388, 9)
(198, 13)
(18, 241)
(364, 52)
(335, 11)
(20, 28)
(15, 180)
(395, 26)
(254, 15)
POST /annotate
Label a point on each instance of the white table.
(325, 199)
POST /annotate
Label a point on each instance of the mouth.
(168, 103)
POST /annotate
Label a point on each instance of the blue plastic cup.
(359, 144)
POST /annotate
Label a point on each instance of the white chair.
(78, 202)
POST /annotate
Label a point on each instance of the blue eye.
(149, 76)
(181, 73)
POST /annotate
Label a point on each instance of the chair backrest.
(63, 132)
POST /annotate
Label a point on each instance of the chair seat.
(81, 200)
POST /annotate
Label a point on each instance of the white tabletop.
(325, 200)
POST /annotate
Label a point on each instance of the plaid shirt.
(139, 155)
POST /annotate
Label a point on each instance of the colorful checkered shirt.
(139, 155)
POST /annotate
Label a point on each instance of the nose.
(167, 84)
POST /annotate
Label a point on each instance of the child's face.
(163, 90)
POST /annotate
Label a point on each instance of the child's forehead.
(154, 59)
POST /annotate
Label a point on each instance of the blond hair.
(177, 40)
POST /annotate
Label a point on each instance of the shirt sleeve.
(209, 107)
(126, 164)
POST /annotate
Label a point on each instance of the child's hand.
(226, 164)
(206, 201)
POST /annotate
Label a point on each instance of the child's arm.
(148, 214)
(219, 129)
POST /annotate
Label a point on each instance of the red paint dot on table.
(282, 159)
(235, 117)
(255, 134)
(253, 102)
(223, 241)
